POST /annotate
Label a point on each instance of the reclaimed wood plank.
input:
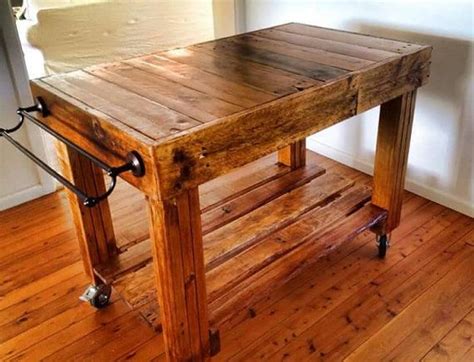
(241, 205)
(305, 53)
(185, 100)
(230, 273)
(137, 289)
(245, 50)
(259, 76)
(208, 83)
(233, 238)
(140, 113)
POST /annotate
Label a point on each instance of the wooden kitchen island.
(219, 239)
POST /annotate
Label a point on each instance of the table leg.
(179, 265)
(93, 225)
(293, 155)
(393, 142)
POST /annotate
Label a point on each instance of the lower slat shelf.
(295, 218)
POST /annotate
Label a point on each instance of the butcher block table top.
(202, 110)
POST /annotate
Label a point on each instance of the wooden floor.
(416, 304)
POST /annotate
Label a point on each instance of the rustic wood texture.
(194, 111)
(393, 143)
(94, 225)
(41, 276)
(176, 236)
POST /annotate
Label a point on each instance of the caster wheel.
(97, 295)
(383, 244)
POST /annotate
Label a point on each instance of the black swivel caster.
(97, 295)
(383, 243)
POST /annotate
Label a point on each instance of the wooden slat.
(233, 238)
(216, 192)
(246, 50)
(259, 76)
(229, 274)
(182, 99)
(257, 197)
(202, 81)
(305, 53)
(148, 117)
(349, 37)
(332, 46)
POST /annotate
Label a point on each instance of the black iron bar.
(134, 162)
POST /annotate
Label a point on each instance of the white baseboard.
(24, 196)
(425, 191)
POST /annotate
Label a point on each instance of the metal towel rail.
(134, 162)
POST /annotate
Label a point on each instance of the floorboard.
(417, 304)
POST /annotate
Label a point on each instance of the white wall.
(441, 155)
(20, 179)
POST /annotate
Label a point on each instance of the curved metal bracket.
(134, 162)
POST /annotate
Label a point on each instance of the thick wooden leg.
(293, 155)
(179, 265)
(393, 142)
(93, 225)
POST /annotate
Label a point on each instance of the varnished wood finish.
(178, 261)
(393, 143)
(196, 114)
(94, 225)
(424, 283)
